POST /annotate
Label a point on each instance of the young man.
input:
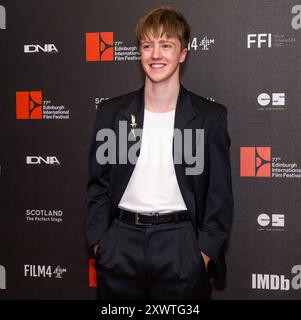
(157, 223)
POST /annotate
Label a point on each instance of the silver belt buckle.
(139, 223)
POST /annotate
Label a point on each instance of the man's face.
(160, 58)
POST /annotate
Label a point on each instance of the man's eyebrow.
(160, 41)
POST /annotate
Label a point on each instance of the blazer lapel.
(185, 113)
(123, 172)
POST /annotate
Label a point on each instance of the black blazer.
(208, 196)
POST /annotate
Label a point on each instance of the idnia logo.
(50, 160)
(35, 48)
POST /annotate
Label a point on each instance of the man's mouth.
(157, 65)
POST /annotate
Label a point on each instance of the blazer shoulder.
(205, 107)
(116, 103)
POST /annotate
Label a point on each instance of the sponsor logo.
(2, 17)
(267, 40)
(36, 48)
(275, 101)
(273, 222)
(277, 282)
(43, 271)
(92, 274)
(98, 101)
(2, 278)
(204, 44)
(38, 160)
(42, 215)
(100, 46)
(31, 106)
(259, 40)
(255, 162)
(296, 21)
(258, 162)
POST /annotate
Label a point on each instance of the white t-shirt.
(153, 186)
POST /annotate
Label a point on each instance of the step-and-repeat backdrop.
(60, 59)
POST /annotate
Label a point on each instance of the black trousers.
(157, 262)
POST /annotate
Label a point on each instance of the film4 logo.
(43, 271)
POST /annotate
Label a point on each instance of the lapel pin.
(133, 124)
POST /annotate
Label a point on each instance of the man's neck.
(161, 97)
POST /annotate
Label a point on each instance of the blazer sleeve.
(97, 198)
(217, 218)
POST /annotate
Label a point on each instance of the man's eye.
(145, 46)
(166, 45)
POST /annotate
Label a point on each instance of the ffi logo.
(259, 40)
(99, 46)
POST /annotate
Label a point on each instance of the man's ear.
(183, 55)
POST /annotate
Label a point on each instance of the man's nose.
(156, 52)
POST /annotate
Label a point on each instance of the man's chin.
(157, 79)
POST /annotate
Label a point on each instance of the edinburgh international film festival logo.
(31, 106)
(259, 162)
(101, 46)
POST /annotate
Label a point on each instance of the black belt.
(140, 218)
